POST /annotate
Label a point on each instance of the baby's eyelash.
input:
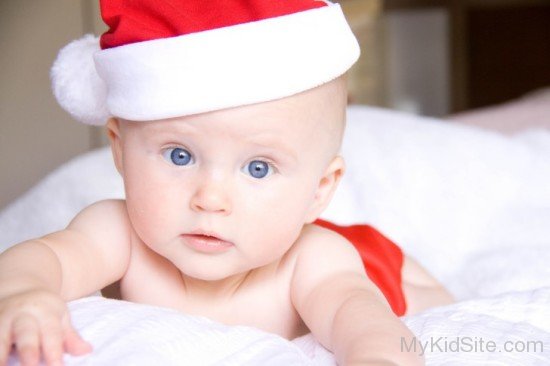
(269, 162)
(259, 168)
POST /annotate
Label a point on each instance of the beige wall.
(366, 77)
(36, 135)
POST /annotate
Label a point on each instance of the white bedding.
(472, 206)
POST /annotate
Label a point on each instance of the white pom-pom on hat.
(76, 84)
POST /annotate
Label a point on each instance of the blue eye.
(259, 169)
(178, 156)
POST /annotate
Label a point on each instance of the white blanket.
(470, 205)
(515, 325)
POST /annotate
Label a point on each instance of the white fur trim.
(205, 71)
(76, 84)
(227, 67)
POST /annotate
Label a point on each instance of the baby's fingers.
(5, 343)
(52, 343)
(26, 337)
(74, 344)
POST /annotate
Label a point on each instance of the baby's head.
(229, 124)
(251, 175)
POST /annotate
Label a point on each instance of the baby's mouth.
(206, 243)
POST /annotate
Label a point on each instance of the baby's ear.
(113, 132)
(326, 188)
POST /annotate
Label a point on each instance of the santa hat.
(162, 59)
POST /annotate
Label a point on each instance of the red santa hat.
(169, 58)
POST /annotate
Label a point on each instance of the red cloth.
(382, 259)
(133, 21)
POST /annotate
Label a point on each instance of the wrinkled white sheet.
(472, 206)
(516, 324)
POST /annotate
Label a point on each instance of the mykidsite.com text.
(468, 344)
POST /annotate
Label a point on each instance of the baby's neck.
(228, 287)
(220, 289)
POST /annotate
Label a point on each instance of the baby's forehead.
(301, 119)
(277, 117)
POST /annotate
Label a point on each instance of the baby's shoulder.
(106, 218)
(106, 206)
(317, 245)
(315, 238)
(324, 259)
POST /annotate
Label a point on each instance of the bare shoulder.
(109, 213)
(326, 247)
(94, 249)
(107, 226)
(323, 255)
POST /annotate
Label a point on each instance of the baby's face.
(248, 175)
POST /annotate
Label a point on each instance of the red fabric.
(382, 259)
(131, 21)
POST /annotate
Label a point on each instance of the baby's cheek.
(140, 224)
(145, 217)
(292, 208)
(283, 229)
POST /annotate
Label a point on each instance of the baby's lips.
(207, 233)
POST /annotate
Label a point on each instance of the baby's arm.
(39, 275)
(343, 309)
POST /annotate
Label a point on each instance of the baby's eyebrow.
(273, 143)
(169, 129)
(160, 133)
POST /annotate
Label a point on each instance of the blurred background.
(467, 61)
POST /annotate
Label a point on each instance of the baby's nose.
(212, 197)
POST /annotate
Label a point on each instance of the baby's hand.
(37, 323)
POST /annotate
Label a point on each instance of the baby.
(222, 199)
